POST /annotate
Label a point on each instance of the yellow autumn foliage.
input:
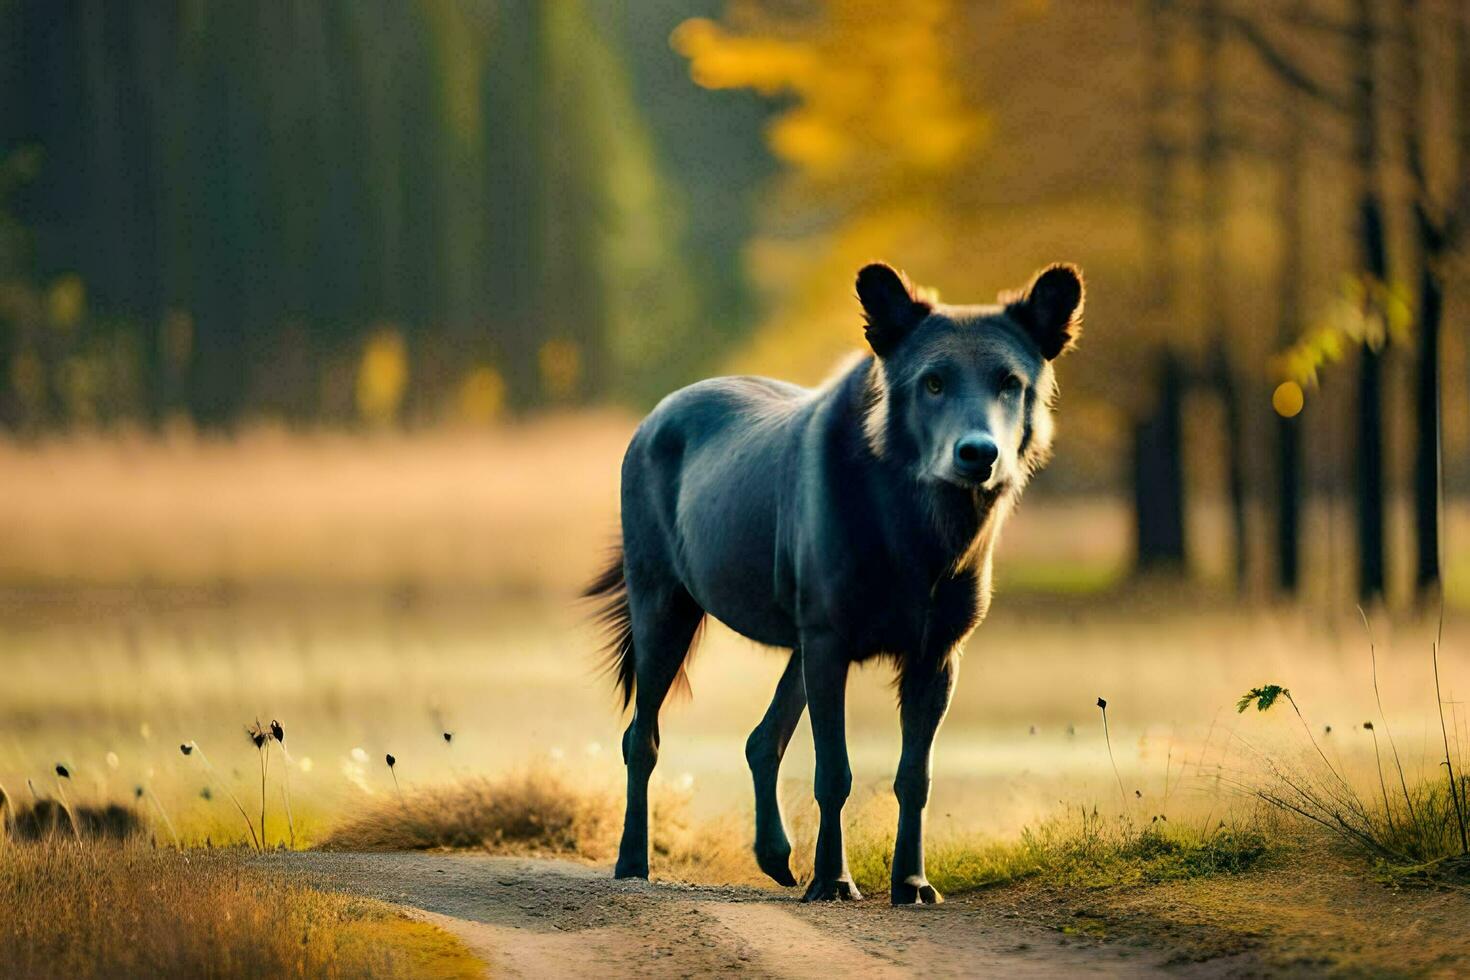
(878, 123)
(875, 96)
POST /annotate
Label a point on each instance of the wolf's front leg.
(824, 666)
(924, 694)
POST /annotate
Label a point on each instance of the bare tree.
(1358, 101)
(1290, 211)
(1214, 190)
(1158, 476)
(1439, 229)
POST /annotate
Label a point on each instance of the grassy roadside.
(1257, 890)
(548, 815)
(1308, 908)
(71, 909)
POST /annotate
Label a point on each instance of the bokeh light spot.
(1288, 399)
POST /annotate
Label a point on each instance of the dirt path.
(540, 918)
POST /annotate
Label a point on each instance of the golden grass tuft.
(522, 813)
(85, 910)
(550, 814)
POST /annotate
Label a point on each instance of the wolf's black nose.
(974, 455)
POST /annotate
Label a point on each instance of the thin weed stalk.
(1108, 740)
(265, 762)
(163, 815)
(1444, 732)
(1439, 630)
(1168, 765)
(71, 815)
(194, 746)
(1382, 785)
(1383, 717)
(393, 771)
(261, 738)
(280, 736)
(1311, 738)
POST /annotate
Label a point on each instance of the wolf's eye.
(933, 384)
(1011, 386)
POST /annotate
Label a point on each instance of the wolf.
(847, 522)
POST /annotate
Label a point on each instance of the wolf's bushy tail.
(609, 590)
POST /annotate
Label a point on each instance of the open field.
(111, 685)
(518, 510)
(374, 595)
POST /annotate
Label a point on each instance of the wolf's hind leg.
(663, 628)
(763, 751)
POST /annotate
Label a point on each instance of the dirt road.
(541, 918)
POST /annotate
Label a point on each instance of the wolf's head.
(962, 394)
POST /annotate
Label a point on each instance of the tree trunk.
(1368, 485)
(1426, 455)
(1158, 477)
(1214, 207)
(1158, 484)
(1289, 209)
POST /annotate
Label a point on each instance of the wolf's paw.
(914, 890)
(777, 865)
(832, 890)
(631, 869)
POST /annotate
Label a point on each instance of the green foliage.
(1420, 823)
(1262, 697)
(475, 178)
(1086, 849)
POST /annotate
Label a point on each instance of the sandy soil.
(543, 918)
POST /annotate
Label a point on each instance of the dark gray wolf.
(846, 522)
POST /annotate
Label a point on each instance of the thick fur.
(772, 503)
(610, 591)
(846, 522)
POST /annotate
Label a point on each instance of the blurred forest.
(342, 210)
(412, 213)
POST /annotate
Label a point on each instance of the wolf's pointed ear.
(889, 306)
(1050, 308)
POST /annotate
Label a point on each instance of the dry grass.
(518, 814)
(112, 685)
(516, 509)
(549, 815)
(70, 910)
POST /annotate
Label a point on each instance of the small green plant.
(1428, 826)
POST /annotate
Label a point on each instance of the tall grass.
(548, 813)
(1429, 825)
